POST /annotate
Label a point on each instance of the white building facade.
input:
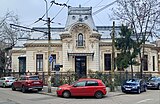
(80, 47)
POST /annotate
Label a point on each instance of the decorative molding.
(105, 44)
(18, 51)
(42, 45)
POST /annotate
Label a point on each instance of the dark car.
(25, 83)
(134, 85)
(153, 83)
(83, 87)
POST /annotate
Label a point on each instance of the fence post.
(43, 78)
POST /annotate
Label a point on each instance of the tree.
(143, 17)
(128, 49)
(8, 38)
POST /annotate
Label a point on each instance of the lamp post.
(49, 48)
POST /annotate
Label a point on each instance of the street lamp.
(49, 48)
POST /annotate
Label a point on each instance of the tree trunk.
(131, 69)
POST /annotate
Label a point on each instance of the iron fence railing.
(70, 77)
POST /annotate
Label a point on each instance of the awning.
(80, 54)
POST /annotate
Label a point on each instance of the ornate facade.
(80, 47)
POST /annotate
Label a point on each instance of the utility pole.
(49, 48)
(113, 57)
(49, 52)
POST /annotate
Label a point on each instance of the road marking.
(143, 101)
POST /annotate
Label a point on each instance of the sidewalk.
(53, 92)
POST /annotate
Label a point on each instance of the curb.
(45, 93)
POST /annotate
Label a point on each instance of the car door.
(78, 88)
(90, 88)
(17, 83)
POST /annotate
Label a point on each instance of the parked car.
(25, 83)
(134, 85)
(153, 82)
(83, 87)
(6, 81)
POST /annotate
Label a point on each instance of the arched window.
(80, 39)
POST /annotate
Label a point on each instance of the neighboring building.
(80, 47)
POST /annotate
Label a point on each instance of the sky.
(30, 11)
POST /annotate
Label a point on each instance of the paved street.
(7, 96)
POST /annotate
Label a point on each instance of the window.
(153, 63)
(145, 62)
(33, 78)
(54, 61)
(39, 62)
(80, 84)
(107, 62)
(23, 78)
(80, 39)
(92, 83)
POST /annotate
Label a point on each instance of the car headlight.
(59, 88)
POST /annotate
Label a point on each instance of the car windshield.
(132, 84)
(33, 78)
(154, 79)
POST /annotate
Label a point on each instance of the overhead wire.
(98, 3)
(42, 15)
(64, 5)
(32, 42)
(96, 12)
(86, 2)
(99, 20)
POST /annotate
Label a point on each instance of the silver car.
(153, 82)
(7, 81)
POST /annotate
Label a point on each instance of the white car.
(7, 81)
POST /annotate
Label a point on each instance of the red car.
(26, 83)
(83, 87)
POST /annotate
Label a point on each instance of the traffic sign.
(50, 59)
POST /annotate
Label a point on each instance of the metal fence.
(70, 77)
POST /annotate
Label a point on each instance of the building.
(80, 47)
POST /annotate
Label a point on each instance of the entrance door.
(22, 65)
(80, 66)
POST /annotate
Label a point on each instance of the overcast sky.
(30, 10)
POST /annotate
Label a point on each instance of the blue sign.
(50, 59)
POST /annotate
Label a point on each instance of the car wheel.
(98, 94)
(123, 91)
(4, 85)
(138, 90)
(66, 94)
(13, 88)
(23, 89)
(158, 87)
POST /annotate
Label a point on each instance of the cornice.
(42, 45)
(18, 51)
(105, 44)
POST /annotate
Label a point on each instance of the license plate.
(149, 85)
(36, 82)
(128, 89)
